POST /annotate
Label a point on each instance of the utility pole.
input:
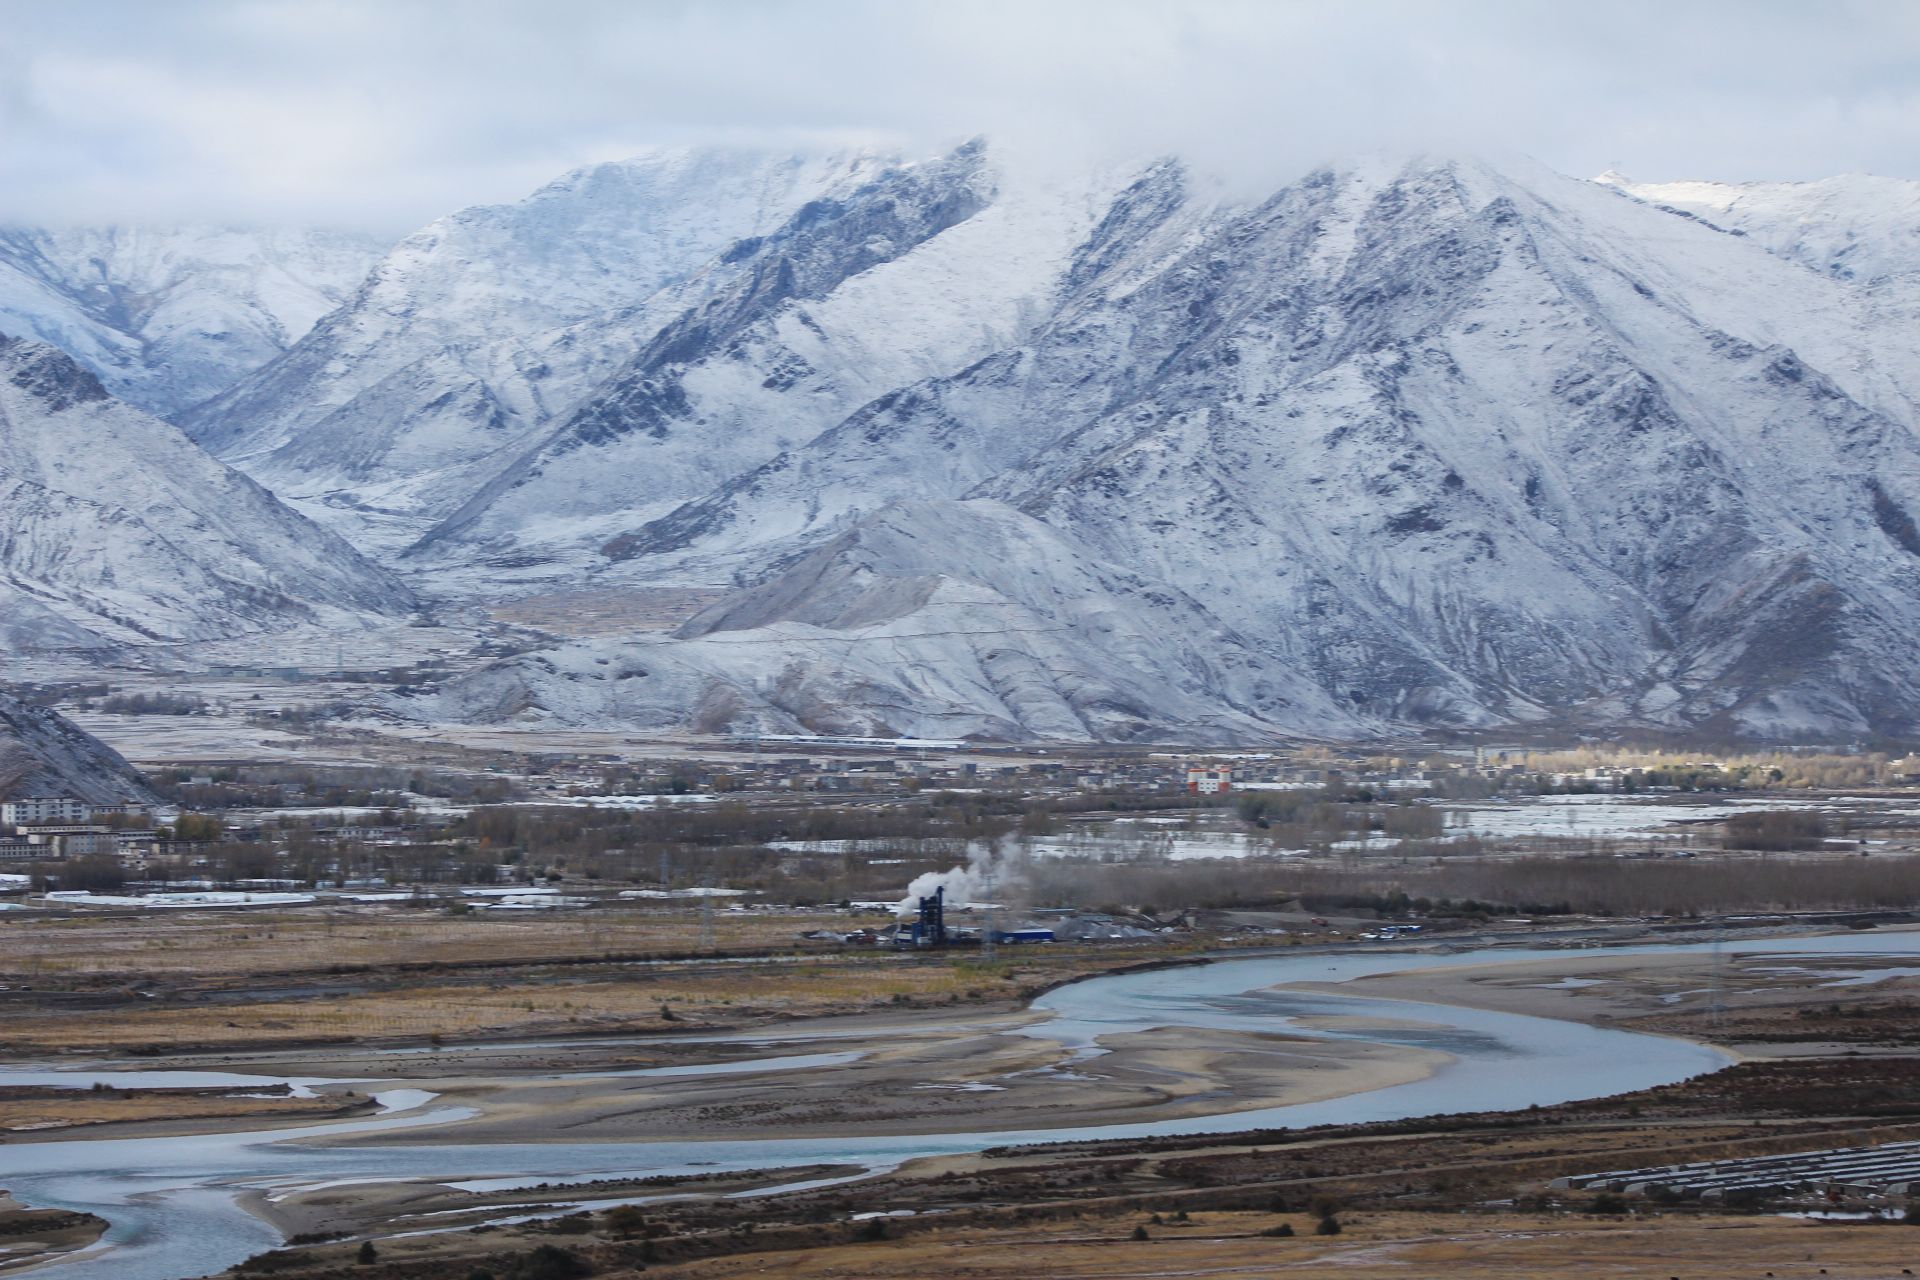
(988, 948)
(1717, 1008)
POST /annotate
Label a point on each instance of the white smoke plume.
(984, 879)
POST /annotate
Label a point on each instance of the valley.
(618, 665)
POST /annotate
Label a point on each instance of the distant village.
(230, 806)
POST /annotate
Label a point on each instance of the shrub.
(1773, 829)
(625, 1220)
(1327, 1226)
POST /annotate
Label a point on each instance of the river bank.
(1256, 1027)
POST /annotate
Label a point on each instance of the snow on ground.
(77, 898)
(1597, 817)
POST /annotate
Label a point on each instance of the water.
(171, 1199)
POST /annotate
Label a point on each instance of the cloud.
(385, 113)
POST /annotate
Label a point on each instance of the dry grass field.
(42, 1111)
(589, 613)
(1384, 1246)
(160, 983)
(505, 1009)
(204, 945)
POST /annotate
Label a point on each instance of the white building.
(1210, 782)
(44, 809)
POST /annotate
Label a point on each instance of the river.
(171, 1200)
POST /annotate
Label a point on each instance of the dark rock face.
(48, 375)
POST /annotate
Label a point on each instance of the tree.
(626, 1220)
(93, 873)
(368, 1255)
(197, 827)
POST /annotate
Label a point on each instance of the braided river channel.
(172, 1201)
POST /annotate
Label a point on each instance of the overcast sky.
(383, 114)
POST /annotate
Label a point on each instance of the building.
(1209, 781)
(44, 809)
(69, 841)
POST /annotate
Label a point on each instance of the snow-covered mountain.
(1089, 454)
(44, 754)
(1434, 442)
(918, 271)
(479, 331)
(167, 316)
(115, 529)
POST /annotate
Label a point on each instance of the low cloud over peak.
(354, 112)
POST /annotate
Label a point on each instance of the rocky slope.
(45, 754)
(168, 316)
(1435, 442)
(115, 529)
